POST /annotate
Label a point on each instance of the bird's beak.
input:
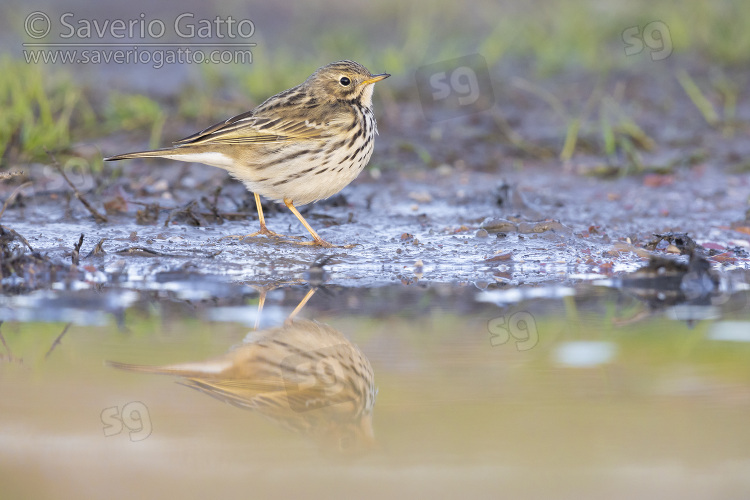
(376, 78)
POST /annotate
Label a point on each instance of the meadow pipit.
(304, 375)
(299, 146)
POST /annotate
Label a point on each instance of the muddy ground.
(455, 200)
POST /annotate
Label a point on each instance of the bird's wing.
(213, 128)
(239, 392)
(267, 395)
(253, 127)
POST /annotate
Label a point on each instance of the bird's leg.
(261, 303)
(263, 229)
(317, 240)
(302, 303)
(261, 218)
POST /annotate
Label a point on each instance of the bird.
(297, 147)
(303, 375)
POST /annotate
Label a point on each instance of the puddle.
(465, 340)
(596, 385)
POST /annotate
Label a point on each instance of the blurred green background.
(54, 105)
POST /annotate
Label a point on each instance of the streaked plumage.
(299, 146)
(303, 375)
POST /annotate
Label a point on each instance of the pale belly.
(311, 178)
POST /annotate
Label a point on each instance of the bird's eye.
(345, 81)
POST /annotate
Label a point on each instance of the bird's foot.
(264, 231)
(321, 243)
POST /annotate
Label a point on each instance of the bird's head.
(344, 81)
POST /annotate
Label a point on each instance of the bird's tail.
(155, 153)
(200, 369)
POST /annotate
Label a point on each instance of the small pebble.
(445, 170)
(418, 269)
(499, 226)
(482, 233)
(421, 196)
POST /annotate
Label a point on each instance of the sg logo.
(454, 88)
(463, 81)
(655, 36)
(520, 325)
(316, 379)
(134, 416)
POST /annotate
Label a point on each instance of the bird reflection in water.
(303, 375)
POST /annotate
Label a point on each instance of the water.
(576, 391)
(547, 359)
